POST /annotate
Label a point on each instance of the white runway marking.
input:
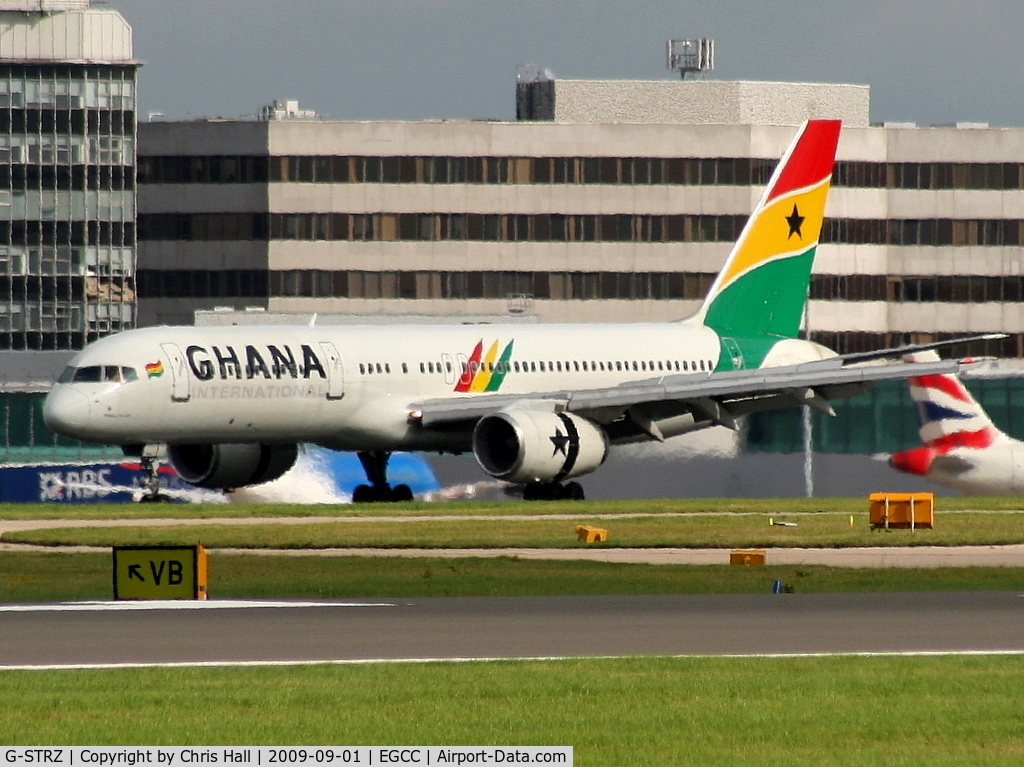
(543, 659)
(173, 604)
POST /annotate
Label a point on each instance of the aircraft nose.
(66, 411)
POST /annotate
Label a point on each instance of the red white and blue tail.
(949, 418)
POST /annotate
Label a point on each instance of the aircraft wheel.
(537, 491)
(552, 491)
(574, 492)
(158, 498)
(363, 494)
(401, 493)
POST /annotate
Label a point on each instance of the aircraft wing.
(900, 351)
(717, 397)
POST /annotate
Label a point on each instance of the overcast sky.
(927, 61)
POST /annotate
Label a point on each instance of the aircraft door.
(451, 370)
(335, 371)
(180, 379)
(735, 353)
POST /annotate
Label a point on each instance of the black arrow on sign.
(134, 571)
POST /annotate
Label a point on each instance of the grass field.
(684, 523)
(58, 577)
(615, 712)
(625, 711)
(488, 508)
(626, 529)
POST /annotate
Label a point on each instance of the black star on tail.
(795, 221)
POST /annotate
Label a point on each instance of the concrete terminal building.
(580, 211)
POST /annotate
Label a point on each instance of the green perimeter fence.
(882, 421)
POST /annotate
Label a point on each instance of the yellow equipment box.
(748, 557)
(591, 534)
(902, 510)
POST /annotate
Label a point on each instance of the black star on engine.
(559, 441)
(795, 221)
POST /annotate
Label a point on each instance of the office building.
(576, 220)
(67, 173)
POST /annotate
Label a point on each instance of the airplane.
(538, 405)
(963, 450)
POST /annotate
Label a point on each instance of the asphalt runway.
(511, 627)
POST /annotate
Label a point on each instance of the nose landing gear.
(149, 482)
(149, 462)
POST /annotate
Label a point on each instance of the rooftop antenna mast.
(690, 56)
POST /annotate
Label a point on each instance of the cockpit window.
(89, 374)
(98, 374)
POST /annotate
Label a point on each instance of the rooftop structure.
(687, 102)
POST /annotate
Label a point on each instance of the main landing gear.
(375, 464)
(553, 491)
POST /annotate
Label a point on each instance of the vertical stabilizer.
(949, 418)
(948, 415)
(762, 288)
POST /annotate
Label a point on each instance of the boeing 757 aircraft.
(963, 450)
(537, 405)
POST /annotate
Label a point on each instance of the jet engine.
(537, 446)
(230, 466)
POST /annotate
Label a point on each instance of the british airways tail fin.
(762, 289)
(949, 418)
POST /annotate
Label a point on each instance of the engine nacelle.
(523, 445)
(230, 466)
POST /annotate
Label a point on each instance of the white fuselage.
(345, 387)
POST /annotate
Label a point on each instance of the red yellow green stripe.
(485, 373)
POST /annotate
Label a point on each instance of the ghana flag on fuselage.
(762, 289)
